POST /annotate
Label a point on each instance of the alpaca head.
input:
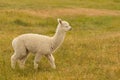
(64, 25)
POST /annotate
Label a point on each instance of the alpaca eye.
(66, 26)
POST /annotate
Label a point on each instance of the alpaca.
(39, 45)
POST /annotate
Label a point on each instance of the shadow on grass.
(30, 71)
(20, 22)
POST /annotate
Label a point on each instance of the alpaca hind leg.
(20, 52)
(14, 59)
(22, 61)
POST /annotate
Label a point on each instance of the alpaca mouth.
(70, 29)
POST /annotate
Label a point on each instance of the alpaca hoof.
(36, 66)
(54, 67)
(12, 66)
(22, 67)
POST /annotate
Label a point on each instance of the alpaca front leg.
(51, 60)
(36, 60)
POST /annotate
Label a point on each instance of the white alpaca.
(39, 45)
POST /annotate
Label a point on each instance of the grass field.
(50, 4)
(91, 51)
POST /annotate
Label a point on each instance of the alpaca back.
(33, 42)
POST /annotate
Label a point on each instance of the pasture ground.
(91, 51)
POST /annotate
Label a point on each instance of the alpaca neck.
(58, 38)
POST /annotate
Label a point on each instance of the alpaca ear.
(59, 21)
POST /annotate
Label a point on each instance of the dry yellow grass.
(91, 51)
(67, 11)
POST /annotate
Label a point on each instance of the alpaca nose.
(70, 29)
